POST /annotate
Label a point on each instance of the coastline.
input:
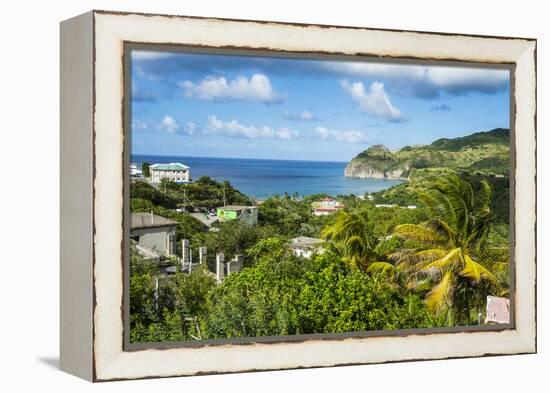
(263, 178)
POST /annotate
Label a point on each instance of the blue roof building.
(175, 172)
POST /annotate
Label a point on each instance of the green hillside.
(483, 153)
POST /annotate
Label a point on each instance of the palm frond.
(485, 194)
(438, 205)
(440, 297)
(417, 232)
(381, 268)
(476, 271)
(442, 227)
(453, 257)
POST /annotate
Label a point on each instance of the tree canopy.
(379, 268)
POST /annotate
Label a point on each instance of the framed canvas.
(247, 195)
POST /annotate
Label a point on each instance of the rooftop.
(304, 241)
(234, 208)
(149, 220)
(174, 166)
(205, 218)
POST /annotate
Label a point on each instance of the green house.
(247, 214)
(226, 214)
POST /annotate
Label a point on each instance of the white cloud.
(169, 125)
(458, 78)
(235, 129)
(256, 88)
(150, 55)
(426, 81)
(191, 128)
(374, 102)
(301, 116)
(346, 136)
(376, 70)
(139, 125)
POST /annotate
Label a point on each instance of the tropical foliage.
(382, 267)
(445, 256)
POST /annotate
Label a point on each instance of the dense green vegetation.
(407, 193)
(204, 192)
(280, 295)
(442, 257)
(382, 268)
(482, 153)
(392, 267)
(284, 294)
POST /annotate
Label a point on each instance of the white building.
(175, 172)
(326, 206)
(135, 173)
(303, 246)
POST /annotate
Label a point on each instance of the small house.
(497, 310)
(175, 172)
(154, 232)
(135, 173)
(326, 206)
(247, 214)
(303, 246)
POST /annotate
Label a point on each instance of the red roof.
(498, 310)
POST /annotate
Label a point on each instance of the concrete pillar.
(202, 255)
(236, 264)
(184, 253)
(220, 267)
(156, 292)
(240, 261)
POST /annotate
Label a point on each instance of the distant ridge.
(485, 152)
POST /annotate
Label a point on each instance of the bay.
(262, 178)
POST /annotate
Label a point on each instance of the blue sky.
(208, 105)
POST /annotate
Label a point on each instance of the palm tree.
(352, 235)
(444, 259)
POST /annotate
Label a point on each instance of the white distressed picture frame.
(92, 183)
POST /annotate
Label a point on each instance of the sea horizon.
(262, 178)
(231, 158)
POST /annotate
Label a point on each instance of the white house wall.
(154, 238)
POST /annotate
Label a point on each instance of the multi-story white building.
(175, 172)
